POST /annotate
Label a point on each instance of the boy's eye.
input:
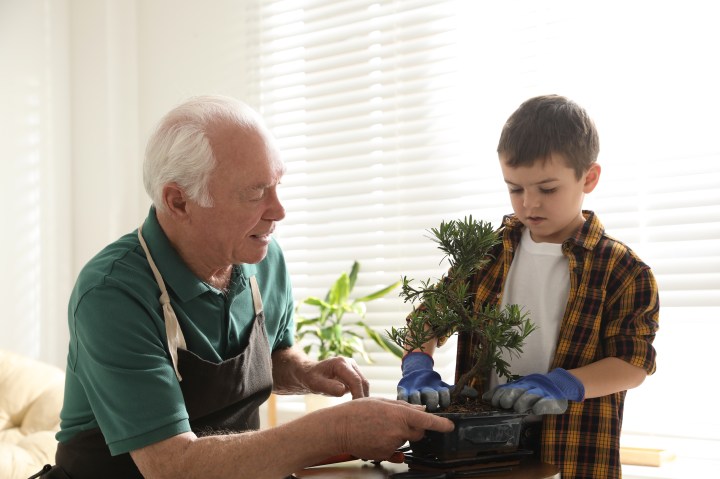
(547, 191)
(515, 191)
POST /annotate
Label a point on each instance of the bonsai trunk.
(478, 376)
(476, 372)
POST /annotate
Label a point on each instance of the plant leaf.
(358, 308)
(304, 322)
(378, 294)
(329, 334)
(340, 291)
(313, 301)
(353, 274)
(382, 341)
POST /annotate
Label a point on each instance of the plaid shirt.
(612, 311)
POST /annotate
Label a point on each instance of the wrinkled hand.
(420, 384)
(336, 377)
(538, 393)
(374, 428)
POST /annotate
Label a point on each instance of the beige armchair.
(31, 395)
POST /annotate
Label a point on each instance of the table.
(368, 470)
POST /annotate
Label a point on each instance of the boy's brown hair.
(550, 124)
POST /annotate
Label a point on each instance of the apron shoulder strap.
(257, 299)
(175, 336)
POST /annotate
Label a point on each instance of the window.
(360, 95)
(34, 187)
(388, 114)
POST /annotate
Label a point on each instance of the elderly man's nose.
(277, 210)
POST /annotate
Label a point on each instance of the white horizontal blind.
(359, 94)
(388, 114)
(33, 136)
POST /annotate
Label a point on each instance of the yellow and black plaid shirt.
(612, 311)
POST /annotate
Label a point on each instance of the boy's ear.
(174, 200)
(592, 176)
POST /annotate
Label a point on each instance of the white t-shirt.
(539, 282)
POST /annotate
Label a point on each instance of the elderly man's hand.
(373, 428)
(336, 377)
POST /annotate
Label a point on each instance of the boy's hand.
(538, 393)
(420, 384)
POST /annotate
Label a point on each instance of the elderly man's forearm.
(244, 455)
(351, 427)
(289, 368)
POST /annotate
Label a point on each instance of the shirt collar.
(173, 269)
(586, 237)
(589, 235)
(175, 273)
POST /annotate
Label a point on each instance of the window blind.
(359, 95)
(388, 115)
(35, 184)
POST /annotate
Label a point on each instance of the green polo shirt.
(119, 373)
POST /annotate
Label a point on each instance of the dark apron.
(220, 398)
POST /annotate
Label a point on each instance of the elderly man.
(182, 328)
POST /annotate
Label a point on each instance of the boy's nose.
(530, 200)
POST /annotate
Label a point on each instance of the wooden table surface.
(368, 470)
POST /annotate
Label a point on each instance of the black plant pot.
(475, 434)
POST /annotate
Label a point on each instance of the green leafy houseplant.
(337, 328)
(448, 306)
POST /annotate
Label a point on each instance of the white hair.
(179, 150)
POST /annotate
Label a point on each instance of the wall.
(35, 186)
(83, 83)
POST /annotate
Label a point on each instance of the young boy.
(594, 301)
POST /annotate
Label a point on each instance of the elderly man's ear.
(175, 200)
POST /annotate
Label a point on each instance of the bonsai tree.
(337, 328)
(448, 306)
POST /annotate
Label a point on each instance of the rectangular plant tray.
(474, 434)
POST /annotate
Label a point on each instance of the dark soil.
(468, 405)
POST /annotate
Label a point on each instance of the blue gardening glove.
(420, 384)
(538, 393)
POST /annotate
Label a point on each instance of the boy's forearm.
(608, 376)
(428, 347)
